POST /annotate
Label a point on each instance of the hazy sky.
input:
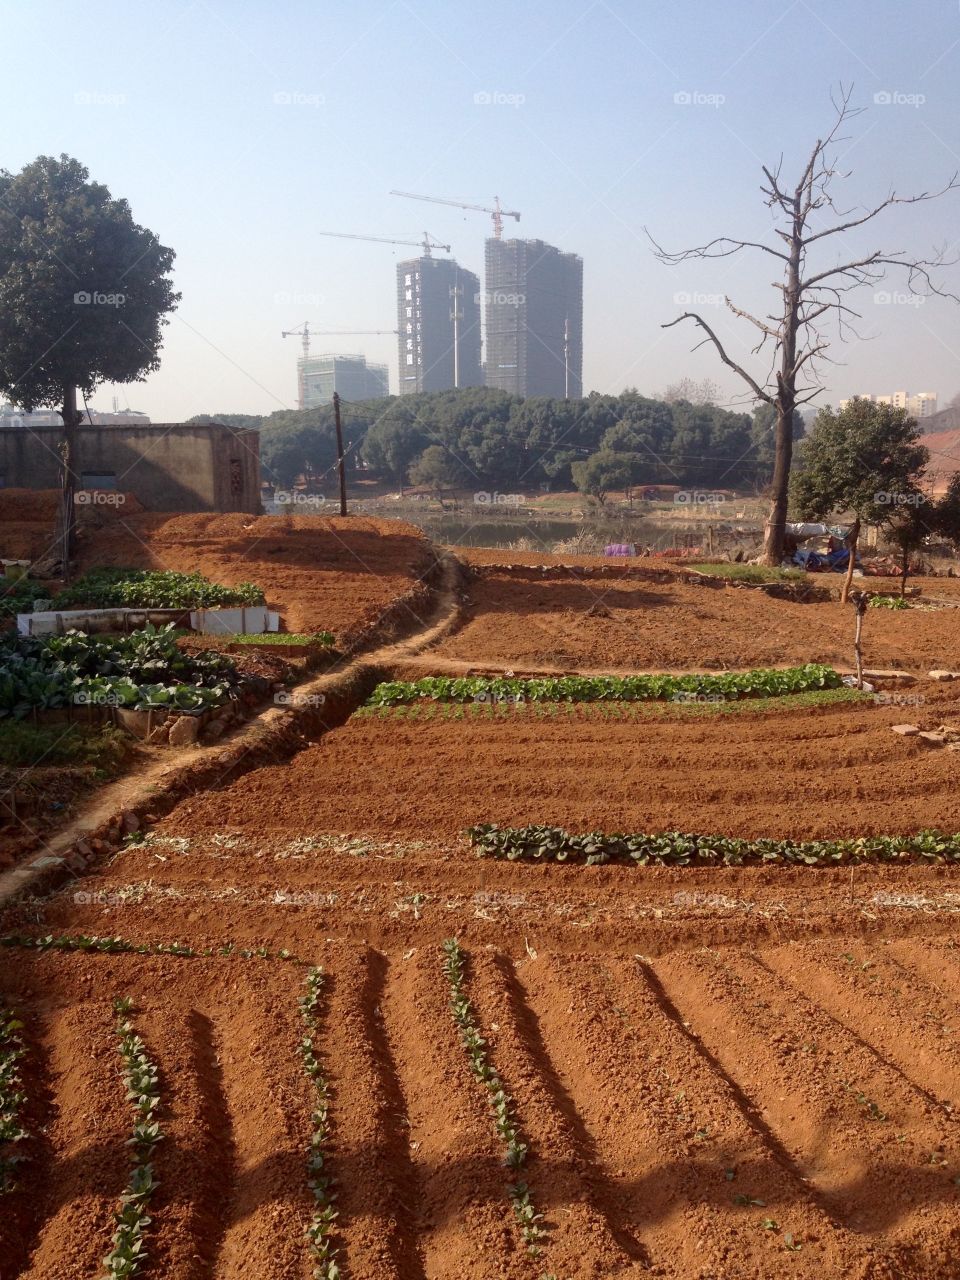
(237, 131)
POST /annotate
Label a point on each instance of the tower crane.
(301, 331)
(497, 212)
(346, 333)
(426, 244)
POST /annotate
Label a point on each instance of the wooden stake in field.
(340, 468)
(859, 600)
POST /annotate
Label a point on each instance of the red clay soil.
(28, 519)
(640, 624)
(321, 573)
(805, 773)
(731, 1113)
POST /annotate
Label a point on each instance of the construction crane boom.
(301, 331)
(497, 211)
(426, 244)
(343, 333)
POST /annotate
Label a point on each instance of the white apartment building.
(921, 405)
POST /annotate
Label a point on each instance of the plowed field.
(787, 1110)
(807, 773)
(720, 1073)
(572, 620)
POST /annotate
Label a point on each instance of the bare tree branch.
(732, 364)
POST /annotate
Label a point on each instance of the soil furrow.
(255, 1032)
(465, 1220)
(568, 1183)
(87, 1133)
(395, 1159)
(709, 1148)
(877, 1152)
(901, 1019)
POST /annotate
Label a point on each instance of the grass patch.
(24, 746)
(324, 638)
(750, 572)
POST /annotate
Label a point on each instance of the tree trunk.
(775, 531)
(66, 517)
(904, 570)
(852, 538)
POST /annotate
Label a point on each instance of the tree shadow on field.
(641, 1204)
(521, 597)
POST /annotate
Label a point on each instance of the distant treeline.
(486, 439)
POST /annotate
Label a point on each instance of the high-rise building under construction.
(533, 308)
(438, 325)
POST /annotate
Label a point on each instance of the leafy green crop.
(500, 1102)
(152, 589)
(888, 602)
(321, 1183)
(17, 596)
(675, 848)
(141, 670)
(12, 1097)
(732, 684)
(143, 1091)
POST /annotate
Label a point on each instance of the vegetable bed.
(734, 684)
(681, 849)
(141, 671)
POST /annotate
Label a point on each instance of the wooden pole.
(860, 604)
(340, 467)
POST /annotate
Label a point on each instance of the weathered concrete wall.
(167, 466)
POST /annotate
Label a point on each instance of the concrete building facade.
(438, 325)
(318, 377)
(921, 405)
(171, 466)
(533, 309)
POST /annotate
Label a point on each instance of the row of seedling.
(499, 1100)
(124, 946)
(12, 1098)
(140, 1075)
(320, 1230)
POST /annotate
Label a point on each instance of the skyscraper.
(438, 322)
(534, 319)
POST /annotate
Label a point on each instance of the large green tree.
(84, 295)
(868, 460)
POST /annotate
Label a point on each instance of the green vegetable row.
(140, 1075)
(681, 849)
(123, 946)
(500, 1102)
(731, 684)
(12, 1097)
(153, 589)
(319, 1232)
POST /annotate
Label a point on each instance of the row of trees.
(486, 439)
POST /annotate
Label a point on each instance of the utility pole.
(566, 358)
(340, 466)
(456, 315)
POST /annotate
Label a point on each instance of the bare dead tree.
(796, 336)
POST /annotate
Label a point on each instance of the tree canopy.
(84, 289)
(494, 441)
